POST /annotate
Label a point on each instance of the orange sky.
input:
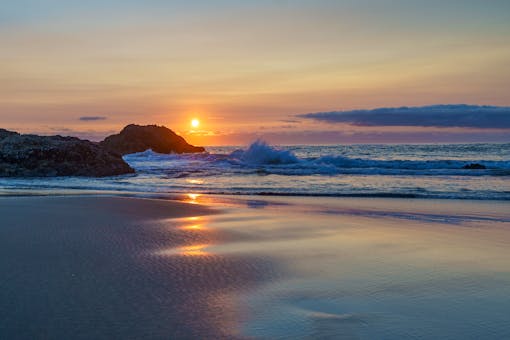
(244, 68)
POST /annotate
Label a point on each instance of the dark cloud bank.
(466, 116)
(92, 118)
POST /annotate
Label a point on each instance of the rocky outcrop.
(136, 138)
(5, 133)
(474, 166)
(41, 156)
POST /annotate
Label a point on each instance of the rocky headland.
(47, 156)
(136, 138)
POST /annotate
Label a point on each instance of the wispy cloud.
(89, 134)
(92, 118)
(290, 121)
(284, 137)
(443, 116)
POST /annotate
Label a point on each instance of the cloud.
(340, 137)
(89, 134)
(92, 118)
(443, 116)
(290, 121)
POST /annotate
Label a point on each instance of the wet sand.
(252, 267)
(85, 267)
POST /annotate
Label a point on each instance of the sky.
(289, 72)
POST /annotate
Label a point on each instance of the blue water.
(422, 171)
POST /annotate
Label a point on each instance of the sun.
(195, 122)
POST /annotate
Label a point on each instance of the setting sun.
(195, 123)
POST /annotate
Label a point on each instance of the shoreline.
(182, 196)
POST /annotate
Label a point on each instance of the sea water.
(421, 171)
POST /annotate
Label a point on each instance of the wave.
(400, 171)
(261, 158)
(160, 188)
(260, 153)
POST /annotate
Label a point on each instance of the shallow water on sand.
(262, 268)
(373, 269)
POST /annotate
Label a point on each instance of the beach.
(206, 266)
(255, 170)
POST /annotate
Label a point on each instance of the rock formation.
(136, 138)
(5, 133)
(43, 156)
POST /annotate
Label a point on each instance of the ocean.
(409, 171)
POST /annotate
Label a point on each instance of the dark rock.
(474, 166)
(38, 156)
(5, 133)
(136, 138)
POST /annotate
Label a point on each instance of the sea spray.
(260, 153)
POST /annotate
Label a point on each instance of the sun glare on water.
(195, 123)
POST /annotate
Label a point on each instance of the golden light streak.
(192, 198)
(194, 250)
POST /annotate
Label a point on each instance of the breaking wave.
(262, 158)
(260, 153)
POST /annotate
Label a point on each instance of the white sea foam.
(260, 156)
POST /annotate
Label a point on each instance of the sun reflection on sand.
(192, 227)
(188, 250)
(193, 223)
(198, 234)
(199, 198)
(194, 250)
